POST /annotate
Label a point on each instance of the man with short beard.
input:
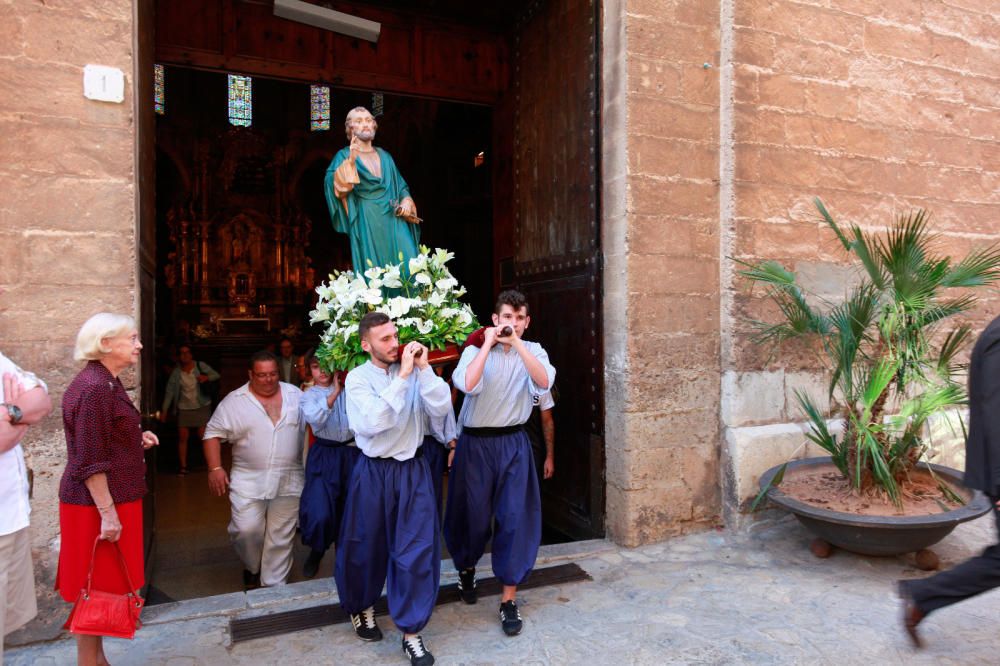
(390, 522)
(369, 200)
(261, 420)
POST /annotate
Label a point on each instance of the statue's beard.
(365, 135)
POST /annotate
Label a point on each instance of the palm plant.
(887, 375)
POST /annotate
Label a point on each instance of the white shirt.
(505, 392)
(14, 506)
(386, 412)
(267, 457)
(327, 422)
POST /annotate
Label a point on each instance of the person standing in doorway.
(493, 478)
(261, 419)
(24, 401)
(982, 472)
(286, 362)
(185, 390)
(390, 525)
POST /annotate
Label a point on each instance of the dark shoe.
(364, 625)
(467, 586)
(415, 651)
(912, 616)
(311, 566)
(251, 580)
(510, 618)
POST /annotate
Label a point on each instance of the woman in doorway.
(186, 390)
(105, 478)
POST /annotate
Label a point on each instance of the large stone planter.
(877, 535)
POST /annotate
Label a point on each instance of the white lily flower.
(442, 257)
(374, 283)
(445, 284)
(321, 313)
(418, 263)
(425, 325)
(371, 296)
(374, 272)
(392, 279)
(422, 278)
(464, 318)
(397, 307)
(436, 299)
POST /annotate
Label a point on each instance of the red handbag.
(100, 613)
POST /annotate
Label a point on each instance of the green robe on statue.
(367, 214)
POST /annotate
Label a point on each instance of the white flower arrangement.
(423, 301)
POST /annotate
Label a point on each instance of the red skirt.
(79, 526)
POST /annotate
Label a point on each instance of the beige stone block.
(656, 235)
(668, 119)
(672, 315)
(751, 451)
(12, 41)
(907, 43)
(66, 203)
(658, 390)
(903, 12)
(952, 20)
(67, 148)
(752, 397)
(114, 10)
(946, 440)
(831, 100)
(814, 385)
(45, 89)
(745, 84)
(826, 282)
(671, 429)
(673, 157)
(807, 23)
(782, 91)
(80, 260)
(52, 36)
(700, 84)
(983, 60)
(753, 47)
(815, 60)
(653, 196)
(678, 275)
(680, 43)
(653, 76)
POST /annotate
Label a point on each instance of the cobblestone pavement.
(717, 597)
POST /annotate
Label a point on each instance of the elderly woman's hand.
(149, 439)
(111, 527)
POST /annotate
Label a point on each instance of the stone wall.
(67, 208)
(661, 243)
(878, 108)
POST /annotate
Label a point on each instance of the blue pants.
(437, 457)
(494, 478)
(390, 528)
(328, 471)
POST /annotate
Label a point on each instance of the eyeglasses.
(264, 375)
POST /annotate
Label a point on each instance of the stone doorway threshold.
(323, 592)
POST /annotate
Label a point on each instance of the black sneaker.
(415, 651)
(311, 566)
(364, 625)
(510, 618)
(251, 580)
(467, 586)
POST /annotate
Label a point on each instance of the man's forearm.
(35, 405)
(534, 367)
(549, 433)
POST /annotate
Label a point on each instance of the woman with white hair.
(105, 478)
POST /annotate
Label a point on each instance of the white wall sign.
(104, 84)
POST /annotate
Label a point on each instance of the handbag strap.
(121, 560)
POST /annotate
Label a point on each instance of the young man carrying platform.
(390, 522)
(493, 475)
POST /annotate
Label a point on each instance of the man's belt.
(331, 443)
(492, 432)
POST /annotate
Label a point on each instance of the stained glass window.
(320, 108)
(240, 100)
(378, 104)
(159, 92)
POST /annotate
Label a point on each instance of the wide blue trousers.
(328, 471)
(493, 478)
(437, 460)
(390, 529)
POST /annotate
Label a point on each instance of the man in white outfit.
(261, 420)
(24, 401)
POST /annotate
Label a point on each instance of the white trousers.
(262, 532)
(17, 583)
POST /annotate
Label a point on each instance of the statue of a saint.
(369, 200)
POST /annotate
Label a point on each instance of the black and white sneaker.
(467, 585)
(510, 618)
(364, 625)
(413, 648)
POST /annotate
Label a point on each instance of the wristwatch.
(14, 413)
